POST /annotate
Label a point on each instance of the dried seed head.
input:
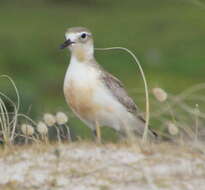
(159, 94)
(27, 129)
(49, 119)
(196, 110)
(42, 128)
(172, 128)
(61, 118)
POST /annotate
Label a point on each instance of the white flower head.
(49, 119)
(27, 129)
(159, 94)
(61, 118)
(172, 128)
(42, 128)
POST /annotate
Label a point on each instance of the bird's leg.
(95, 136)
(98, 132)
(94, 133)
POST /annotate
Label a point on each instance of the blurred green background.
(168, 36)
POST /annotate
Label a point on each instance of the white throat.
(82, 52)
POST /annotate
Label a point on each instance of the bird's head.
(79, 41)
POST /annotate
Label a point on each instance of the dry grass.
(8, 121)
(16, 127)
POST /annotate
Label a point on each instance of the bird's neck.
(82, 54)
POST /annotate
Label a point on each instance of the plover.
(97, 97)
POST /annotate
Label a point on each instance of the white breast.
(81, 73)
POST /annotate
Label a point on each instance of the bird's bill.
(66, 44)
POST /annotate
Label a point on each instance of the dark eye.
(83, 35)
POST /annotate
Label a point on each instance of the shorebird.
(97, 97)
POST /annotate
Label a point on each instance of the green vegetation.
(166, 35)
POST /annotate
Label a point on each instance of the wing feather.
(118, 91)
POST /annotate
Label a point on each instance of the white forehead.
(72, 36)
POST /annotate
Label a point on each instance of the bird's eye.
(83, 35)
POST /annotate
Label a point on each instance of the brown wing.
(116, 87)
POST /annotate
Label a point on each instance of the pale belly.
(94, 103)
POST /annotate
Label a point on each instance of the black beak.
(66, 44)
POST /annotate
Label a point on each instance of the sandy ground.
(88, 166)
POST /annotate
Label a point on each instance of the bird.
(94, 95)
